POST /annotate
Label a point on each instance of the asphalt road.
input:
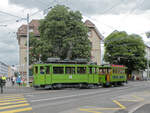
(133, 97)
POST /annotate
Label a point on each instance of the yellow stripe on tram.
(17, 110)
(13, 106)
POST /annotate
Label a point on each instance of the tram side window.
(70, 70)
(36, 70)
(95, 70)
(118, 70)
(58, 70)
(90, 70)
(108, 70)
(114, 70)
(47, 69)
(81, 70)
(101, 71)
(41, 70)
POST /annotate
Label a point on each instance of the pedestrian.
(4, 80)
(13, 79)
(18, 80)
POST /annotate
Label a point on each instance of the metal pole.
(148, 63)
(1, 89)
(27, 50)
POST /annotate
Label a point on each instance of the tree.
(64, 34)
(38, 50)
(124, 49)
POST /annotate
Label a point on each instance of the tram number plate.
(70, 76)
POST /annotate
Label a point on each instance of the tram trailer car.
(77, 75)
(112, 75)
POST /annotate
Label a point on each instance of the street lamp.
(148, 36)
(28, 50)
(148, 63)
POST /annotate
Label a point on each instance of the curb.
(137, 107)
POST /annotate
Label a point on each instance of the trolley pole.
(28, 50)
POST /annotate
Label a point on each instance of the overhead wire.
(10, 14)
(49, 7)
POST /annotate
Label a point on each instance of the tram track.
(112, 91)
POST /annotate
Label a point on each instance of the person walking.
(4, 80)
(13, 79)
(18, 80)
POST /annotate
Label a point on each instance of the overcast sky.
(132, 16)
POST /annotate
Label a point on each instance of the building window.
(89, 33)
(31, 30)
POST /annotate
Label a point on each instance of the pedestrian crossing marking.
(12, 100)
(13, 95)
(14, 104)
(18, 110)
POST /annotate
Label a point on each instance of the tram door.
(91, 75)
(35, 75)
(48, 74)
(41, 76)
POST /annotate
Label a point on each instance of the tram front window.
(41, 70)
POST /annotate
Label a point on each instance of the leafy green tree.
(64, 34)
(38, 50)
(124, 49)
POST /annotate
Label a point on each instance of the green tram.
(62, 75)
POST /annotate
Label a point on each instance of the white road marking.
(85, 94)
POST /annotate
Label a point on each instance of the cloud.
(9, 47)
(107, 15)
(90, 7)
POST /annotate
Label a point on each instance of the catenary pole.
(148, 63)
(28, 50)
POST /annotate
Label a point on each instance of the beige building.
(3, 69)
(94, 36)
(22, 38)
(11, 71)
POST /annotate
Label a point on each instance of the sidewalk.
(16, 89)
(144, 109)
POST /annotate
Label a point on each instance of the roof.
(89, 24)
(34, 24)
(147, 46)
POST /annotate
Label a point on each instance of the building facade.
(147, 52)
(146, 73)
(3, 69)
(94, 36)
(22, 39)
(11, 71)
(143, 75)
